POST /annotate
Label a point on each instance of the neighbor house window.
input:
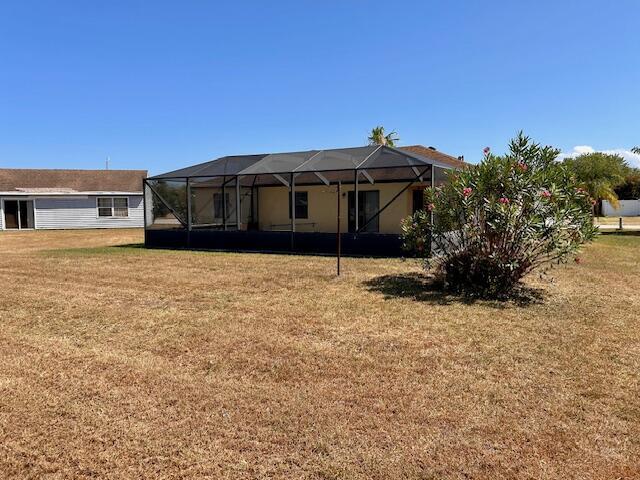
(302, 205)
(113, 207)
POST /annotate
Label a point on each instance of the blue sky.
(159, 85)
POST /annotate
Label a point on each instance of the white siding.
(628, 208)
(81, 212)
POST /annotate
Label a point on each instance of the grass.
(130, 363)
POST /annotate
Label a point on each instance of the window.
(113, 207)
(302, 205)
(121, 207)
(418, 200)
(218, 211)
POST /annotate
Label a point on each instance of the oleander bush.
(491, 224)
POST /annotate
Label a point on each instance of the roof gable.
(436, 155)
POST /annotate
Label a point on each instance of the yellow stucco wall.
(274, 214)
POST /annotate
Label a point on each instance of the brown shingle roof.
(435, 154)
(64, 181)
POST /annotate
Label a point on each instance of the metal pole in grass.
(620, 223)
(338, 190)
(188, 212)
(431, 216)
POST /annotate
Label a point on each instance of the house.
(65, 199)
(294, 201)
(627, 208)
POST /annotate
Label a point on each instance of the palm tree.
(599, 173)
(602, 190)
(636, 150)
(378, 137)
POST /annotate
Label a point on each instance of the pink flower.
(593, 202)
(486, 150)
(430, 207)
(466, 191)
(581, 190)
(545, 194)
(504, 200)
(523, 166)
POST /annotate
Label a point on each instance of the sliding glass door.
(18, 214)
(368, 206)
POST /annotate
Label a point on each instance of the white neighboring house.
(69, 199)
(628, 208)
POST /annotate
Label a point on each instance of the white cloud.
(633, 159)
(580, 149)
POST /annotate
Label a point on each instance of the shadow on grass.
(423, 288)
(129, 245)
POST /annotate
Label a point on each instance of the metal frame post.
(292, 188)
(338, 245)
(189, 221)
(188, 212)
(253, 201)
(356, 201)
(431, 216)
(433, 184)
(224, 204)
(238, 210)
(144, 202)
(144, 208)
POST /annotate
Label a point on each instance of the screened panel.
(230, 165)
(368, 207)
(402, 174)
(280, 162)
(342, 176)
(157, 215)
(387, 157)
(440, 175)
(310, 178)
(169, 200)
(337, 159)
(214, 202)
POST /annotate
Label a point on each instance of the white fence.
(628, 208)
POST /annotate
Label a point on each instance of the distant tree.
(599, 174)
(630, 189)
(636, 150)
(378, 137)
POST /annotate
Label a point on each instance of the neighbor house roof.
(48, 181)
(361, 158)
(433, 153)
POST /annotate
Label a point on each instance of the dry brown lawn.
(130, 363)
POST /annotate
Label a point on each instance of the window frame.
(111, 207)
